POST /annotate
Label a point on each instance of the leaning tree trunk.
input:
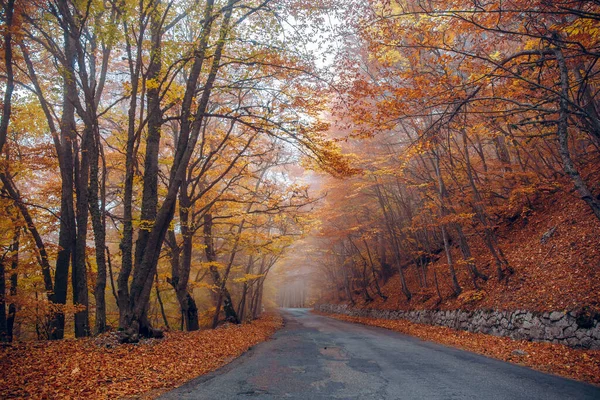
(211, 257)
(181, 264)
(143, 274)
(444, 212)
(389, 223)
(563, 138)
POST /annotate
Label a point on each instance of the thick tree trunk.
(180, 271)
(141, 284)
(181, 263)
(96, 206)
(67, 230)
(79, 270)
(150, 179)
(223, 294)
(12, 307)
(9, 86)
(126, 245)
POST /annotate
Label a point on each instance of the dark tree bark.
(12, 307)
(189, 134)
(444, 212)
(126, 245)
(150, 178)
(211, 257)
(562, 133)
(79, 270)
(8, 64)
(63, 144)
(96, 206)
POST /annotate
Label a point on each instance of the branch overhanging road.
(316, 357)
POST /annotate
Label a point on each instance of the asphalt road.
(315, 357)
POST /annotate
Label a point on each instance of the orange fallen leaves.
(583, 365)
(560, 275)
(87, 368)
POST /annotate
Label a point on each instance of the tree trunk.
(141, 284)
(126, 245)
(96, 206)
(443, 212)
(79, 270)
(395, 244)
(562, 132)
(490, 236)
(8, 64)
(223, 295)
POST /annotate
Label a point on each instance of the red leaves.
(93, 368)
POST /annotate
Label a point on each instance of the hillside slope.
(560, 273)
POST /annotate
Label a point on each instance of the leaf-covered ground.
(558, 274)
(583, 365)
(99, 368)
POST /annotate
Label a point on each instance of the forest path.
(316, 357)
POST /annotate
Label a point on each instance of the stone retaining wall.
(573, 329)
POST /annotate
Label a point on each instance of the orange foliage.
(558, 275)
(102, 369)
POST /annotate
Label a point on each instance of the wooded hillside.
(476, 129)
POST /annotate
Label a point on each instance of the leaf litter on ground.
(101, 368)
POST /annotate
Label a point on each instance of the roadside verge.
(582, 365)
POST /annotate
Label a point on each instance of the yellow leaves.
(390, 57)
(496, 56)
(146, 224)
(203, 285)
(206, 265)
(152, 84)
(248, 278)
(584, 27)
(472, 296)
(531, 44)
(127, 88)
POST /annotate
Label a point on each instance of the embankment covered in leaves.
(552, 272)
(100, 368)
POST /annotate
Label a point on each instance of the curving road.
(315, 357)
